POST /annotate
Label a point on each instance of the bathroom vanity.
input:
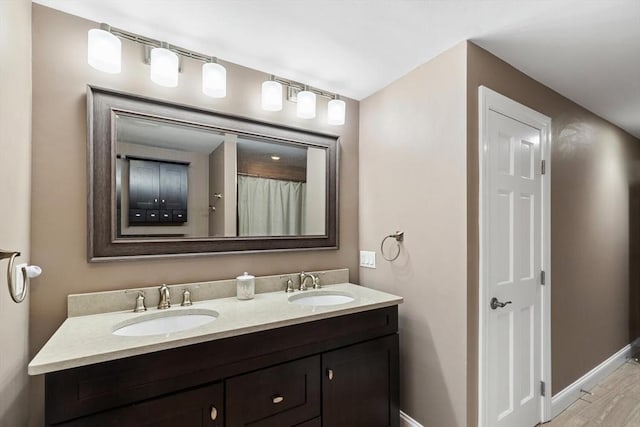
(291, 365)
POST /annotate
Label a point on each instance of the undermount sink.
(165, 322)
(320, 298)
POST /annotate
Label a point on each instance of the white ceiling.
(588, 50)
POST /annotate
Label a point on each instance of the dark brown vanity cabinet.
(336, 372)
(158, 192)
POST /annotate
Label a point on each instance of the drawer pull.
(214, 413)
(330, 374)
(277, 399)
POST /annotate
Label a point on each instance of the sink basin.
(321, 298)
(166, 322)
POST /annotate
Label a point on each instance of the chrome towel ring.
(27, 271)
(399, 237)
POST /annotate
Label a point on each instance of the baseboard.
(563, 399)
(407, 421)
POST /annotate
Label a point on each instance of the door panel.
(359, 385)
(514, 262)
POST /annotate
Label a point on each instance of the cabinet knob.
(214, 413)
(330, 374)
(155, 200)
(277, 399)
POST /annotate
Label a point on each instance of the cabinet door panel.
(360, 385)
(144, 184)
(281, 396)
(173, 186)
(200, 407)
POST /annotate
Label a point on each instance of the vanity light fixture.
(306, 104)
(214, 79)
(271, 95)
(164, 66)
(104, 53)
(336, 109)
(104, 50)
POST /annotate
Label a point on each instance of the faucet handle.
(315, 279)
(186, 298)
(140, 303)
(289, 285)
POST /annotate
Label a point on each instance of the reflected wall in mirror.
(167, 179)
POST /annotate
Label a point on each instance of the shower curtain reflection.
(270, 207)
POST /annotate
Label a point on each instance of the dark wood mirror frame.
(102, 107)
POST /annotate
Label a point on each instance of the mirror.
(167, 179)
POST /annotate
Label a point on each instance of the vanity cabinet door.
(174, 186)
(198, 407)
(360, 385)
(144, 184)
(284, 395)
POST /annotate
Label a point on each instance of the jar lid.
(245, 276)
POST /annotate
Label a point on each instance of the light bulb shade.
(104, 51)
(214, 80)
(271, 96)
(164, 67)
(336, 110)
(306, 104)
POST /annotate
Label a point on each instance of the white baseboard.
(407, 421)
(566, 397)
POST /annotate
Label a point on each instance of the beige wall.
(59, 218)
(413, 178)
(593, 173)
(15, 193)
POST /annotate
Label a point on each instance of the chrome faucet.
(165, 298)
(304, 276)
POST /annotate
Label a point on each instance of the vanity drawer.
(137, 215)
(279, 396)
(179, 215)
(153, 215)
(200, 407)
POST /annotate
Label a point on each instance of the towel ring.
(399, 237)
(12, 255)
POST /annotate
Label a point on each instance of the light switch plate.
(368, 259)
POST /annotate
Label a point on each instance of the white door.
(513, 249)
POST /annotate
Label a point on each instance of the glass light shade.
(164, 67)
(271, 96)
(214, 80)
(104, 51)
(306, 104)
(336, 110)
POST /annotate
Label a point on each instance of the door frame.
(489, 100)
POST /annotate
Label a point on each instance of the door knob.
(497, 304)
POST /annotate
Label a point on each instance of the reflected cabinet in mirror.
(169, 179)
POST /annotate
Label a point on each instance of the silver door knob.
(330, 374)
(497, 304)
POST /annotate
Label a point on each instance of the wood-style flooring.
(615, 402)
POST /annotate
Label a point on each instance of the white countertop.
(85, 340)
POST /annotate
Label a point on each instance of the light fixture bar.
(301, 86)
(155, 43)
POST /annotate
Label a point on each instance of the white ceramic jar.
(245, 286)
